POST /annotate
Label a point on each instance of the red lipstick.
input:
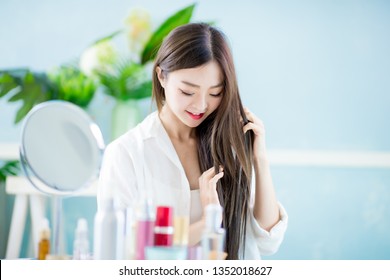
(195, 116)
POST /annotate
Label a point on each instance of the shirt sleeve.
(268, 243)
(117, 176)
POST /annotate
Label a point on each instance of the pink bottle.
(145, 229)
(163, 228)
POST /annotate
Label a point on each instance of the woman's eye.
(216, 94)
(186, 93)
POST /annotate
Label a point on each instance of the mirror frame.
(40, 183)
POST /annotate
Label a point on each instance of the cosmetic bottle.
(144, 228)
(130, 233)
(163, 228)
(181, 226)
(213, 235)
(44, 240)
(81, 242)
(109, 231)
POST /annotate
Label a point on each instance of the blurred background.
(316, 72)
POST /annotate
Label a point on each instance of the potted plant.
(126, 76)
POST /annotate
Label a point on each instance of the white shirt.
(144, 160)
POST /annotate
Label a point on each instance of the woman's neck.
(175, 128)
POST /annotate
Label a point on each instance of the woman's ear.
(160, 76)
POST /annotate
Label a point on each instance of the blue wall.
(316, 72)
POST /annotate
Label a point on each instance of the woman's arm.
(196, 230)
(265, 210)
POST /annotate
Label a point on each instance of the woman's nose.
(200, 104)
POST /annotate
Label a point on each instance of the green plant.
(129, 81)
(22, 84)
(181, 17)
(9, 168)
(73, 85)
(64, 83)
(129, 77)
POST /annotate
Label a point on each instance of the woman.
(200, 147)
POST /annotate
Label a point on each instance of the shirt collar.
(155, 129)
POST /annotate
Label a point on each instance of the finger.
(209, 173)
(205, 177)
(251, 126)
(213, 182)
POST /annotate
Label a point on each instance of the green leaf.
(7, 83)
(33, 88)
(143, 91)
(181, 17)
(9, 168)
(108, 37)
(16, 97)
(23, 111)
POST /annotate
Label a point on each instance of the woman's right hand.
(208, 187)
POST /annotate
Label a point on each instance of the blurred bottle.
(44, 240)
(163, 228)
(213, 235)
(81, 242)
(181, 231)
(130, 234)
(144, 227)
(109, 231)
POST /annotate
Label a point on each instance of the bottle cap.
(164, 216)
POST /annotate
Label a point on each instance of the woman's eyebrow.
(198, 86)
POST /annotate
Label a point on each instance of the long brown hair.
(221, 140)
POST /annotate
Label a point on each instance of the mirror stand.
(60, 153)
(57, 224)
(56, 207)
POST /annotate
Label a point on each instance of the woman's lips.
(195, 116)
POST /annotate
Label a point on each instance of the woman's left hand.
(257, 126)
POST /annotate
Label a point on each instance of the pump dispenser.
(213, 235)
(109, 230)
(81, 242)
(44, 240)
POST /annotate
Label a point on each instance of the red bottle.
(163, 227)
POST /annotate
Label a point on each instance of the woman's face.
(193, 94)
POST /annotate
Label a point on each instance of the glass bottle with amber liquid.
(44, 240)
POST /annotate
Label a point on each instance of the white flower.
(98, 58)
(138, 29)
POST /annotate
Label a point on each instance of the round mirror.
(61, 148)
(60, 152)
